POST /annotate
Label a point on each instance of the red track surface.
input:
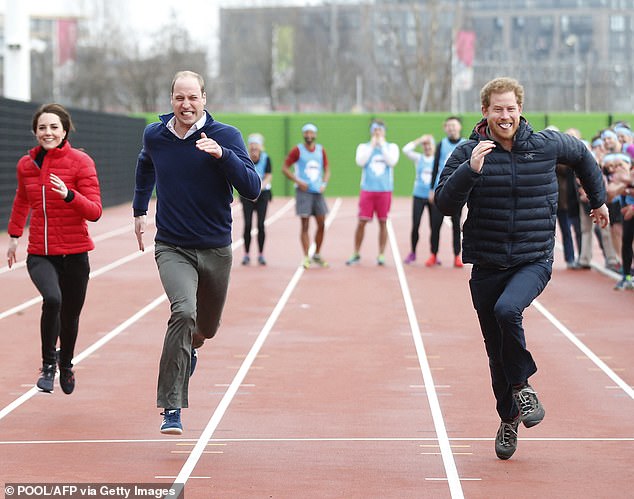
(346, 382)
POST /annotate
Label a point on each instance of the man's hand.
(11, 251)
(209, 145)
(139, 228)
(478, 154)
(600, 216)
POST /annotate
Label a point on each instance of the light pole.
(17, 51)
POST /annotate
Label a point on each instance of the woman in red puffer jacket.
(58, 186)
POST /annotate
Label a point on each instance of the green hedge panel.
(341, 133)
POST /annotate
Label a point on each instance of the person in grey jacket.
(506, 175)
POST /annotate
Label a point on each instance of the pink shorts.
(374, 202)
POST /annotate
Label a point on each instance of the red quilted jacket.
(57, 227)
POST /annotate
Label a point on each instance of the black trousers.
(626, 248)
(259, 206)
(418, 207)
(62, 281)
(437, 219)
(499, 298)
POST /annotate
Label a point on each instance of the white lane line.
(586, 351)
(112, 334)
(101, 237)
(453, 478)
(223, 441)
(128, 258)
(95, 273)
(238, 379)
(95, 346)
(269, 220)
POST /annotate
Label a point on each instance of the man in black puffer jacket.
(505, 174)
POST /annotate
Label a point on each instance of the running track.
(360, 382)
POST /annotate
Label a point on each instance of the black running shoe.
(506, 439)
(531, 411)
(67, 380)
(47, 376)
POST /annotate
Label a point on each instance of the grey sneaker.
(531, 411)
(47, 375)
(319, 260)
(354, 259)
(625, 284)
(506, 439)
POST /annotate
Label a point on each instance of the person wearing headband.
(262, 162)
(307, 166)
(377, 158)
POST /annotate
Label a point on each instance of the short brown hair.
(186, 74)
(500, 86)
(59, 110)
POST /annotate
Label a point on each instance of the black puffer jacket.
(512, 203)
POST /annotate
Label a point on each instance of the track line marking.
(225, 441)
(95, 346)
(121, 327)
(123, 260)
(96, 273)
(218, 414)
(586, 351)
(453, 478)
(100, 237)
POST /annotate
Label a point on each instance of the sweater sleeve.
(145, 180)
(239, 168)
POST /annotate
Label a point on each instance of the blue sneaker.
(194, 361)
(171, 422)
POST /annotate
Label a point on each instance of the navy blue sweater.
(194, 190)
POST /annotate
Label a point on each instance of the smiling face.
(503, 117)
(49, 131)
(188, 102)
(453, 127)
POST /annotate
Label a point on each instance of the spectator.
(262, 162)
(311, 174)
(453, 129)
(423, 165)
(377, 158)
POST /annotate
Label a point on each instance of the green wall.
(341, 133)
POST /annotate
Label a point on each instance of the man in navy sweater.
(194, 162)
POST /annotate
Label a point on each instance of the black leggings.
(62, 281)
(259, 206)
(437, 220)
(626, 247)
(418, 207)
